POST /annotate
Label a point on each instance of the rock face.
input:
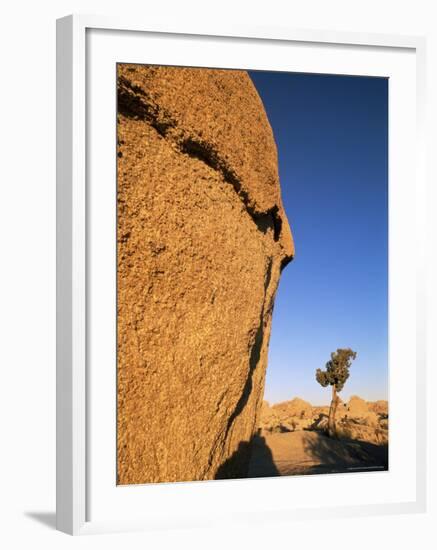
(202, 239)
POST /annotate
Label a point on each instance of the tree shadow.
(344, 454)
(45, 518)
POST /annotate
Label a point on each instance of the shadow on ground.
(45, 518)
(264, 465)
(346, 454)
(310, 452)
(239, 465)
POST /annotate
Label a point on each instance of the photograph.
(252, 274)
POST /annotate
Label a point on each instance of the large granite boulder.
(202, 239)
(357, 407)
(296, 407)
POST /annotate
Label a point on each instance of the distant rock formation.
(296, 407)
(357, 406)
(379, 407)
(268, 418)
(202, 239)
(356, 419)
(287, 416)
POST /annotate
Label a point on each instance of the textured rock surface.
(202, 238)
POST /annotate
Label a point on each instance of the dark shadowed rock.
(202, 239)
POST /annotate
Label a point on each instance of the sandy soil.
(311, 452)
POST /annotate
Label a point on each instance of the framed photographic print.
(240, 275)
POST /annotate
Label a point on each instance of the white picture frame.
(74, 398)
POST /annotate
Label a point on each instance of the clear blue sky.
(332, 138)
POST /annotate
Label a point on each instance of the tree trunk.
(332, 432)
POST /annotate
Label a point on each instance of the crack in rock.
(135, 103)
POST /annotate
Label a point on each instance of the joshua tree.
(335, 375)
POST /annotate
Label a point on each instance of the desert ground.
(292, 439)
